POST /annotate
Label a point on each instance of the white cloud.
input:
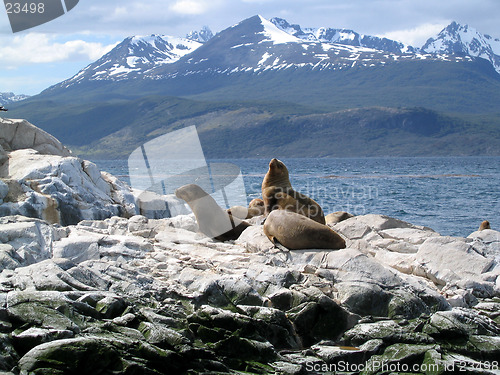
(189, 7)
(34, 48)
(416, 36)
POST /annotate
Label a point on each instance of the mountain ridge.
(256, 73)
(465, 40)
(327, 48)
(10, 97)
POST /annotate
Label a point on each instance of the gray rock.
(111, 307)
(9, 259)
(31, 239)
(397, 357)
(107, 354)
(322, 320)
(61, 189)
(35, 336)
(162, 336)
(387, 330)
(8, 355)
(347, 354)
(460, 323)
(20, 134)
(4, 190)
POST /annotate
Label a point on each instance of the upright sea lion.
(484, 225)
(295, 231)
(212, 220)
(278, 193)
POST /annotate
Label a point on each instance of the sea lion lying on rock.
(212, 220)
(337, 217)
(295, 231)
(278, 194)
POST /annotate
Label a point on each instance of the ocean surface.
(451, 195)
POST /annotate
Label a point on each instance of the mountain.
(257, 45)
(254, 45)
(260, 60)
(273, 78)
(10, 97)
(133, 58)
(464, 40)
(202, 36)
(343, 36)
(265, 130)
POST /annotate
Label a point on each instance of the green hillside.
(293, 112)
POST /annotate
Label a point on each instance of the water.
(451, 195)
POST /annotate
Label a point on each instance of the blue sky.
(33, 60)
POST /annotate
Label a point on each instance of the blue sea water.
(451, 195)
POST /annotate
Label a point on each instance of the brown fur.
(255, 208)
(485, 225)
(278, 194)
(337, 217)
(212, 220)
(295, 231)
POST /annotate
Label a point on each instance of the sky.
(35, 59)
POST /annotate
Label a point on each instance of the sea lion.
(238, 211)
(484, 225)
(278, 193)
(337, 217)
(255, 208)
(296, 231)
(212, 220)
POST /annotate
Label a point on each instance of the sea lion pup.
(337, 217)
(255, 208)
(295, 231)
(484, 225)
(278, 193)
(212, 220)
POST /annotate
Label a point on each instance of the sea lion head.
(190, 192)
(277, 175)
(485, 225)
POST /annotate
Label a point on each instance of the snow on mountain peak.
(341, 36)
(465, 40)
(134, 57)
(257, 44)
(202, 36)
(275, 34)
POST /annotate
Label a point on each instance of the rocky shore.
(87, 284)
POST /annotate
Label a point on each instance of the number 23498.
(27, 8)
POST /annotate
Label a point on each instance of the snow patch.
(276, 35)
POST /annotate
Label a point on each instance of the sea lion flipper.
(279, 245)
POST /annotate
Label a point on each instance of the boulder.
(20, 134)
(458, 263)
(26, 240)
(62, 190)
(40, 178)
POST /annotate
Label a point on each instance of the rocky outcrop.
(156, 294)
(39, 178)
(109, 291)
(20, 134)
